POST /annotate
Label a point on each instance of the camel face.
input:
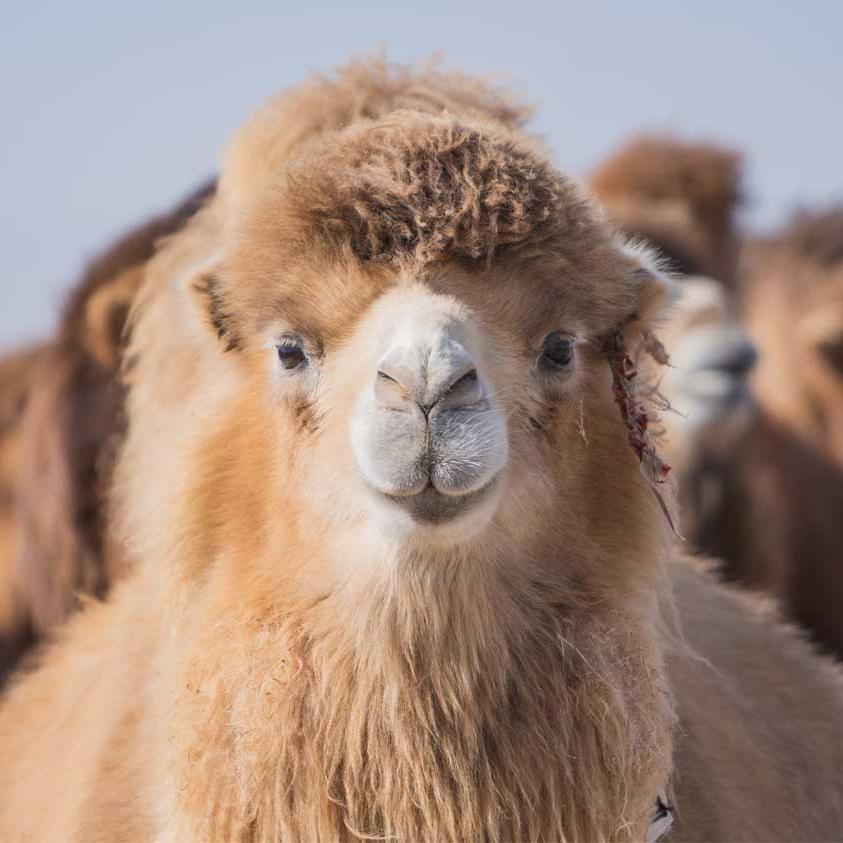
(431, 415)
(707, 383)
(410, 335)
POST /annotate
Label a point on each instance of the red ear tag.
(635, 416)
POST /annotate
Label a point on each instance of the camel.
(708, 404)
(758, 488)
(398, 525)
(787, 474)
(59, 451)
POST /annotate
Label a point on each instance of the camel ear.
(106, 314)
(634, 343)
(54, 557)
(655, 293)
(209, 293)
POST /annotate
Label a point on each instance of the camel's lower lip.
(432, 507)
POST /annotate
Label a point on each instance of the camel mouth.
(717, 364)
(433, 507)
(719, 388)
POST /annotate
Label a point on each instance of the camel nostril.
(395, 387)
(464, 390)
(384, 376)
(746, 359)
(468, 379)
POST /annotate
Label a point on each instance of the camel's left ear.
(655, 292)
(633, 343)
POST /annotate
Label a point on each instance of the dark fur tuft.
(414, 188)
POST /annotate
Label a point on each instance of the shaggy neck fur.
(474, 694)
(344, 719)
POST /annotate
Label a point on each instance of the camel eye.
(291, 352)
(557, 351)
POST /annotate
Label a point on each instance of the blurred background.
(112, 111)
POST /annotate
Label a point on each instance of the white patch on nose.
(426, 370)
(426, 434)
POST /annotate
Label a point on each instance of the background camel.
(706, 385)
(62, 407)
(401, 573)
(757, 487)
(777, 520)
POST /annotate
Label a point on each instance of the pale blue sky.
(111, 111)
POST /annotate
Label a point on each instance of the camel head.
(403, 339)
(680, 196)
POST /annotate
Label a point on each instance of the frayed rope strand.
(635, 416)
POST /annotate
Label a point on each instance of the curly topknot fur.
(362, 90)
(416, 187)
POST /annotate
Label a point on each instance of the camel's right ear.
(106, 316)
(210, 296)
(655, 293)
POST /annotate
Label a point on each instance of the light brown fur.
(275, 670)
(64, 440)
(758, 748)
